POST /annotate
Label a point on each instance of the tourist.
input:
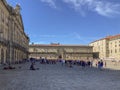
(101, 65)
(105, 64)
(70, 63)
(83, 63)
(32, 67)
(8, 67)
(98, 64)
(63, 62)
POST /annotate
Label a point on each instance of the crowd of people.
(83, 63)
(68, 63)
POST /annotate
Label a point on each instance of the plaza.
(15, 50)
(58, 77)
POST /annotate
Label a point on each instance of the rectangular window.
(115, 51)
(0, 16)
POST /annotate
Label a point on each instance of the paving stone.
(58, 77)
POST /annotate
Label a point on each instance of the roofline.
(6, 5)
(107, 38)
(60, 45)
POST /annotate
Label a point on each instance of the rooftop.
(57, 44)
(108, 38)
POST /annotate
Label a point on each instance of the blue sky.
(69, 21)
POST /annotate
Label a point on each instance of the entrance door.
(60, 56)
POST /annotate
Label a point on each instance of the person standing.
(100, 65)
(105, 64)
(63, 62)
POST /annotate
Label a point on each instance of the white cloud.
(107, 8)
(51, 3)
(104, 8)
(101, 7)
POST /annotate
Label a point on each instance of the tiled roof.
(112, 37)
(108, 38)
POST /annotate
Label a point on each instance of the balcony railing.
(14, 44)
(7, 43)
(4, 41)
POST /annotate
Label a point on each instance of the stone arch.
(6, 56)
(16, 56)
(2, 56)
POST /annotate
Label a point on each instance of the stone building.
(108, 47)
(59, 51)
(13, 40)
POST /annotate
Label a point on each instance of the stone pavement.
(58, 77)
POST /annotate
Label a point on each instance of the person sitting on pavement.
(8, 67)
(32, 67)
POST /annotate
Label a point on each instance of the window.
(35, 50)
(2, 16)
(107, 44)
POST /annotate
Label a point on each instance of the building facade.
(58, 51)
(14, 42)
(108, 47)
